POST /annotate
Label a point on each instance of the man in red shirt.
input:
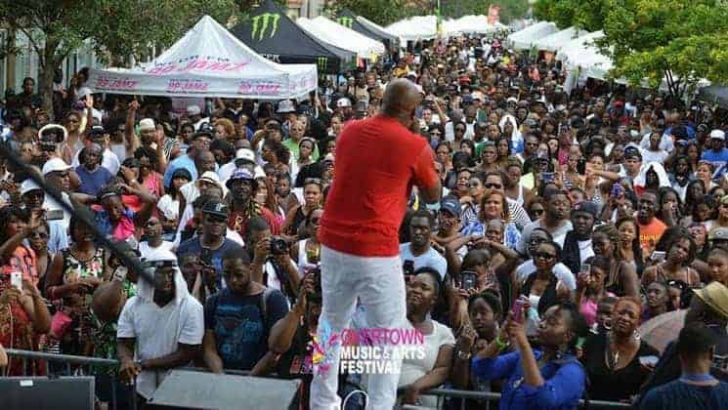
(378, 161)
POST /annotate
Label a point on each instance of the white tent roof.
(524, 39)
(375, 26)
(476, 24)
(555, 41)
(584, 54)
(208, 61)
(342, 37)
(415, 28)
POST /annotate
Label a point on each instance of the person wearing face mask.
(147, 350)
(92, 175)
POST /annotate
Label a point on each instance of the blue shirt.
(563, 388)
(193, 246)
(511, 236)
(715, 157)
(677, 395)
(93, 181)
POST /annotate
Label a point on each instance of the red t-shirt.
(377, 162)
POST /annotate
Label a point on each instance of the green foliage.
(382, 12)
(679, 40)
(509, 9)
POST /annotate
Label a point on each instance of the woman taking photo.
(548, 378)
(621, 278)
(676, 266)
(614, 360)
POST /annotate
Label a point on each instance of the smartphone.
(408, 267)
(16, 279)
(54, 215)
(517, 310)
(547, 177)
(581, 166)
(657, 256)
(468, 280)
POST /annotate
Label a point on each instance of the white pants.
(378, 283)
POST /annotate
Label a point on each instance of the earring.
(636, 334)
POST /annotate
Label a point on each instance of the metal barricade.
(70, 361)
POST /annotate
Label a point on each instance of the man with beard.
(160, 328)
(211, 244)
(419, 251)
(33, 198)
(555, 219)
(242, 186)
(651, 228)
(578, 243)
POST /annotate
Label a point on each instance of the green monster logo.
(261, 23)
(346, 21)
(322, 62)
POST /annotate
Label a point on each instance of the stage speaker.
(185, 389)
(42, 393)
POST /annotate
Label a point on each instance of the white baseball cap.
(717, 134)
(146, 124)
(29, 185)
(343, 102)
(243, 155)
(55, 165)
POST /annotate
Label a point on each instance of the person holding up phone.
(546, 378)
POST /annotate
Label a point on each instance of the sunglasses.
(216, 218)
(493, 186)
(544, 255)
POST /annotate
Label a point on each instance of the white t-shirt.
(158, 330)
(145, 249)
(169, 207)
(585, 250)
(431, 259)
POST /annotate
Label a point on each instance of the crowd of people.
(569, 221)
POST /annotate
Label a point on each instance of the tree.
(383, 12)
(114, 27)
(678, 41)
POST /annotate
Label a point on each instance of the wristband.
(464, 355)
(500, 344)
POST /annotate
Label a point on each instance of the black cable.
(119, 249)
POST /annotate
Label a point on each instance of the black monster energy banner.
(262, 23)
(321, 63)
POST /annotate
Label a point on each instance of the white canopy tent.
(208, 61)
(476, 24)
(415, 28)
(342, 37)
(583, 54)
(524, 39)
(555, 41)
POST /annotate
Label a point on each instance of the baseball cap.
(719, 234)
(240, 173)
(146, 124)
(29, 185)
(586, 206)
(244, 155)
(211, 177)
(205, 130)
(60, 132)
(451, 205)
(343, 102)
(717, 134)
(215, 207)
(632, 152)
(55, 165)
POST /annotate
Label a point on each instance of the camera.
(278, 246)
(469, 280)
